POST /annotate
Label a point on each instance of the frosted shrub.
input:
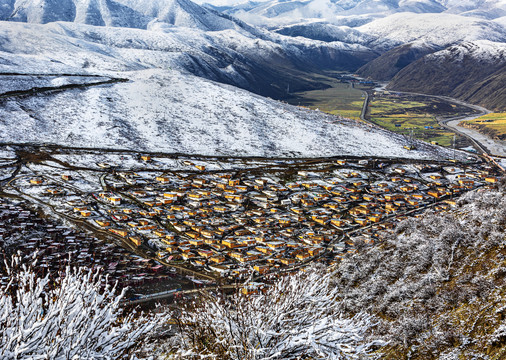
(73, 318)
(298, 317)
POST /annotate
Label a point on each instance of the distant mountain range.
(354, 13)
(400, 32)
(118, 13)
(269, 47)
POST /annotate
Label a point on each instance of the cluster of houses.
(24, 232)
(235, 223)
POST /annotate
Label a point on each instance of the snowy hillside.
(309, 35)
(346, 12)
(163, 107)
(389, 22)
(264, 65)
(158, 44)
(485, 52)
(16, 82)
(324, 31)
(487, 9)
(181, 34)
(472, 71)
(434, 29)
(172, 112)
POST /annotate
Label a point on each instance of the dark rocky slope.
(465, 71)
(386, 66)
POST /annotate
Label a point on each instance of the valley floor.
(402, 112)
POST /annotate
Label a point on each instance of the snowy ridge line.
(37, 90)
(53, 74)
(223, 157)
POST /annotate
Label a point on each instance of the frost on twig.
(298, 317)
(76, 316)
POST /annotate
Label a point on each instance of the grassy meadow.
(405, 116)
(340, 99)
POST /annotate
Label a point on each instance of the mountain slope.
(437, 284)
(172, 112)
(489, 91)
(487, 9)
(386, 66)
(163, 107)
(471, 71)
(399, 32)
(198, 40)
(119, 13)
(354, 12)
(433, 29)
(327, 32)
(219, 47)
(263, 64)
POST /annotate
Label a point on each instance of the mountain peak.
(117, 13)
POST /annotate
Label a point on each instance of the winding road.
(483, 143)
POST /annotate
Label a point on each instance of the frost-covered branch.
(298, 317)
(76, 317)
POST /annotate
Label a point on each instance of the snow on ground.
(162, 108)
(172, 112)
(122, 161)
(27, 82)
(7, 154)
(77, 48)
(487, 52)
(91, 161)
(432, 29)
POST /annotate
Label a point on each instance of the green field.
(403, 114)
(493, 124)
(406, 116)
(340, 99)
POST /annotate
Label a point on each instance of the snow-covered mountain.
(487, 9)
(263, 64)
(214, 45)
(162, 107)
(434, 29)
(347, 12)
(485, 52)
(166, 47)
(309, 34)
(378, 24)
(399, 31)
(120, 13)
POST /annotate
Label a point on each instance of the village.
(231, 225)
(52, 246)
